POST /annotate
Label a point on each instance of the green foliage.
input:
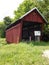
(2, 30)
(7, 21)
(3, 25)
(46, 33)
(3, 42)
(44, 8)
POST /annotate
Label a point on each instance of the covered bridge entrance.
(28, 30)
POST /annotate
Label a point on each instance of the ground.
(24, 53)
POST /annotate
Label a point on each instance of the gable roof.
(16, 22)
(33, 10)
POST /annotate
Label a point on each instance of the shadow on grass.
(37, 43)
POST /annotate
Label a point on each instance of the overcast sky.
(7, 7)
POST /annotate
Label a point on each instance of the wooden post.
(29, 38)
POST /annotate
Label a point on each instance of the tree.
(44, 8)
(2, 30)
(7, 21)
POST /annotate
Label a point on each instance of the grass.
(3, 42)
(24, 53)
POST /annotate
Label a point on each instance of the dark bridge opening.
(28, 30)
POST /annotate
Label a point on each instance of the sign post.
(37, 35)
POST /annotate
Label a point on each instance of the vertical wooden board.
(16, 33)
(7, 36)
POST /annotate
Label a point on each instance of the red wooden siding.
(34, 17)
(13, 34)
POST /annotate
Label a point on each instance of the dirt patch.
(46, 53)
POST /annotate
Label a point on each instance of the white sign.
(37, 33)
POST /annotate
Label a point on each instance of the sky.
(7, 7)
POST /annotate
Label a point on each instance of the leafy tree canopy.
(7, 20)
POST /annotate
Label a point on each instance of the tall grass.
(2, 41)
(23, 53)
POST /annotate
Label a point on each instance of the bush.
(45, 36)
(3, 41)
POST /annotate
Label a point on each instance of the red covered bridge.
(28, 27)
